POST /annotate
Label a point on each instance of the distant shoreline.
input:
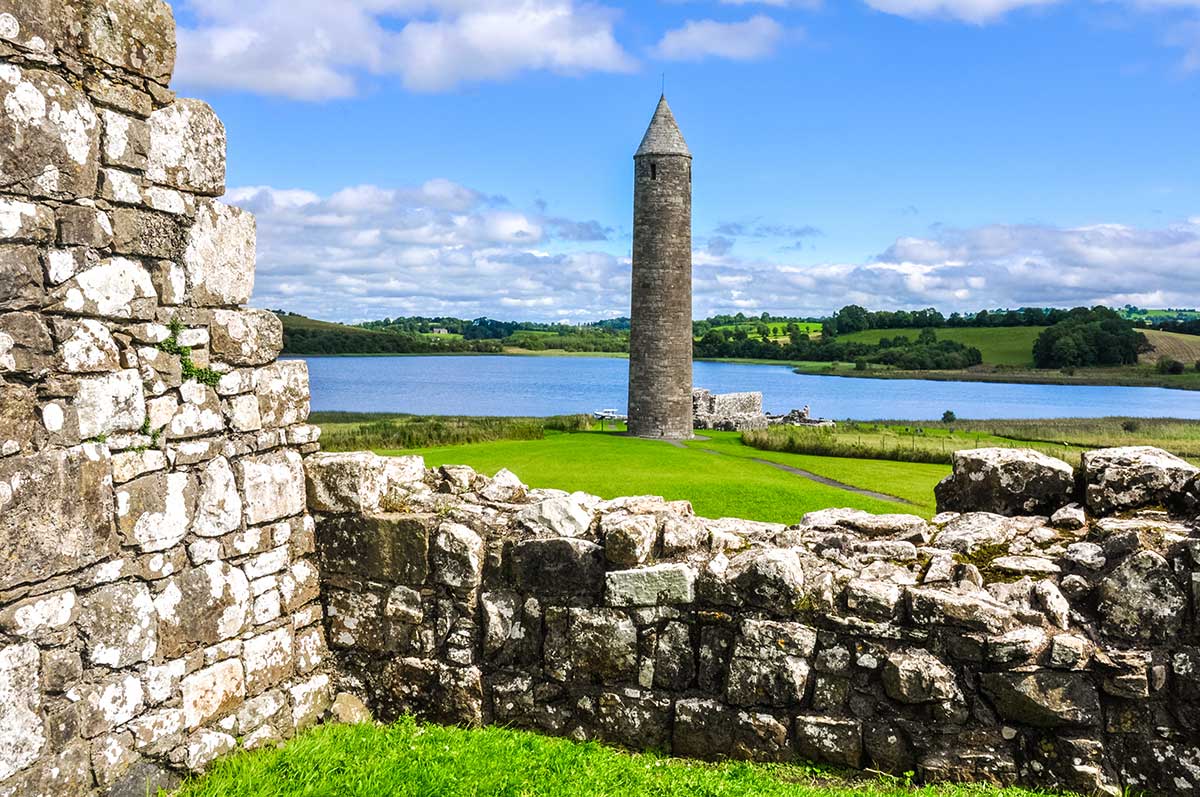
(1103, 378)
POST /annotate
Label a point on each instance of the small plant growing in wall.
(205, 376)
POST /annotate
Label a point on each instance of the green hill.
(999, 345)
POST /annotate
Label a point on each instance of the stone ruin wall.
(1051, 640)
(158, 597)
(165, 595)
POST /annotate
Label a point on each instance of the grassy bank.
(350, 431)
(929, 442)
(409, 759)
(1144, 375)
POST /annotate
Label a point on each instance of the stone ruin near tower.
(183, 573)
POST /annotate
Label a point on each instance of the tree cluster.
(1089, 337)
(923, 354)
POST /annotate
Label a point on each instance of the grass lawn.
(612, 465)
(999, 345)
(409, 759)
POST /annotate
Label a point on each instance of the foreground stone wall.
(1001, 646)
(158, 600)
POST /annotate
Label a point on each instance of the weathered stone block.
(67, 771)
(110, 403)
(1141, 599)
(126, 140)
(198, 415)
(135, 35)
(19, 418)
(830, 740)
(457, 556)
(710, 730)
(49, 135)
(119, 625)
(563, 566)
(345, 482)
(559, 516)
(144, 233)
(219, 255)
(310, 699)
(1118, 479)
(83, 225)
(21, 734)
(42, 615)
(187, 148)
(212, 692)
(660, 585)
(628, 539)
(389, 548)
(219, 507)
(107, 704)
(85, 346)
(1045, 699)
(637, 721)
(202, 606)
(246, 337)
(269, 659)
(25, 222)
(602, 646)
(56, 511)
(154, 512)
(768, 579)
(355, 620)
(1007, 481)
(116, 288)
(916, 676)
(770, 663)
(272, 486)
(25, 343)
(21, 285)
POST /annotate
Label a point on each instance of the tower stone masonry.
(660, 345)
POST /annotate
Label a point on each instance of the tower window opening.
(653, 171)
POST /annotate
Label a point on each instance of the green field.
(409, 759)
(725, 484)
(999, 345)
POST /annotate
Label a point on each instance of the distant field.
(1185, 348)
(751, 328)
(999, 345)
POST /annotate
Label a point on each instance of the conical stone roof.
(663, 136)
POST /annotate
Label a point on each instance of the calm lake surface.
(539, 386)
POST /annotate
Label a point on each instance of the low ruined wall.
(1059, 653)
(158, 598)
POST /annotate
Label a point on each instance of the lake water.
(539, 386)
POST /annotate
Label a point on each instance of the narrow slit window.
(653, 171)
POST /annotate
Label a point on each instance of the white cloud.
(974, 11)
(315, 49)
(368, 252)
(757, 37)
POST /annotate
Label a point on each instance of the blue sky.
(474, 158)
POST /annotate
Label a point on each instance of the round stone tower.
(660, 342)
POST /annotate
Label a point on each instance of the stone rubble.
(981, 646)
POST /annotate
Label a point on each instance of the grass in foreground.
(611, 465)
(410, 758)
